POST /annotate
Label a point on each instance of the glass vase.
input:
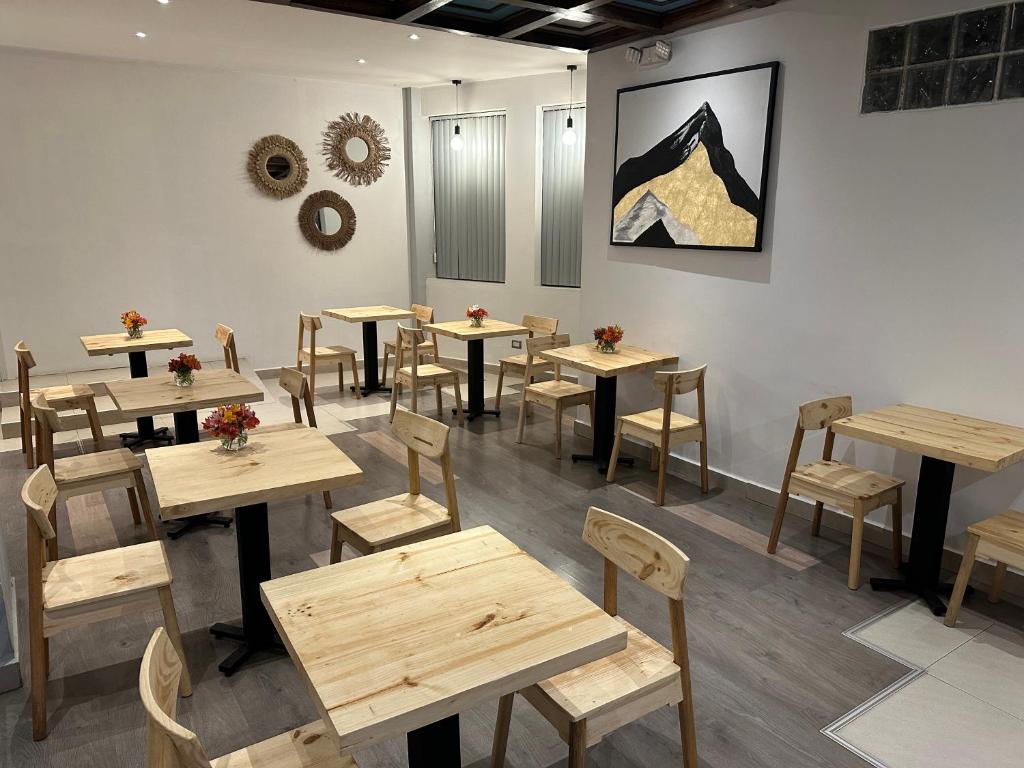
(607, 347)
(185, 378)
(476, 322)
(135, 332)
(235, 443)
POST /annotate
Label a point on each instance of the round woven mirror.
(327, 220)
(356, 149)
(277, 166)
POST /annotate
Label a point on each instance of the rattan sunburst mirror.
(356, 149)
(277, 166)
(327, 220)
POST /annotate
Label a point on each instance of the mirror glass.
(357, 149)
(328, 221)
(278, 167)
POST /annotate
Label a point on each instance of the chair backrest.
(168, 744)
(408, 338)
(48, 422)
(310, 324)
(815, 415)
(540, 326)
(424, 314)
(25, 363)
(542, 344)
(226, 337)
(672, 383)
(38, 494)
(297, 385)
(429, 438)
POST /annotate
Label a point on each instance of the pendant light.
(457, 142)
(569, 135)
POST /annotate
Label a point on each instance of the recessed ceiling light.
(414, 36)
(163, 2)
(140, 35)
(459, 32)
(360, 61)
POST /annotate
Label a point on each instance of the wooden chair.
(295, 384)
(420, 375)
(999, 538)
(555, 394)
(516, 364)
(664, 428)
(313, 353)
(54, 395)
(226, 337)
(75, 591)
(408, 517)
(854, 490)
(424, 314)
(90, 472)
(171, 745)
(589, 702)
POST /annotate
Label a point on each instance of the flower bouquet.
(133, 322)
(231, 425)
(606, 338)
(184, 368)
(476, 315)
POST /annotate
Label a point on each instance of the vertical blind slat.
(562, 198)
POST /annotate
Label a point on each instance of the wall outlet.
(517, 344)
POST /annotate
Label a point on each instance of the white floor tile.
(990, 667)
(929, 724)
(914, 634)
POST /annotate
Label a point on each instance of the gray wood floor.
(770, 667)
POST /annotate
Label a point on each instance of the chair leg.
(688, 734)
(437, 396)
(39, 663)
(853, 577)
(174, 635)
(897, 529)
(558, 431)
(662, 472)
(963, 577)
(816, 519)
(705, 482)
(134, 504)
(500, 743)
(497, 395)
(328, 503)
(394, 397)
(654, 457)
(384, 369)
(336, 542)
(458, 402)
(341, 377)
(312, 378)
(780, 512)
(613, 460)
(997, 583)
(414, 405)
(51, 545)
(578, 744)
(26, 440)
(355, 378)
(521, 421)
(147, 509)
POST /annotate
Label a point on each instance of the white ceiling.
(245, 36)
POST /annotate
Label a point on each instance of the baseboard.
(874, 533)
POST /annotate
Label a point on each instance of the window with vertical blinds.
(469, 198)
(561, 238)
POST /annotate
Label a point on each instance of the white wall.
(124, 185)
(892, 263)
(521, 293)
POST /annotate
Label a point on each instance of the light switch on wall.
(517, 344)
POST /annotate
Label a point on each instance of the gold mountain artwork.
(685, 191)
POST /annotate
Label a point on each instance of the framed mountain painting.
(691, 160)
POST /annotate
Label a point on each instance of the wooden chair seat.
(557, 390)
(110, 574)
(999, 538)
(95, 466)
(313, 353)
(326, 353)
(400, 519)
(518, 363)
(642, 678)
(425, 347)
(652, 420)
(428, 372)
(309, 746)
(56, 396)
(843, 484)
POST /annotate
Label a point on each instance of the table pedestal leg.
(371, 379)
(475, 365)
(435, 745)
(186, 430)
(604, 428)
(921, 573)
(146, 433)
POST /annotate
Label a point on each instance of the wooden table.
(276, 465)
(401, 641)
(121, 343)
(943, 440)
(369, 316)
(607, 368)
(474, 338)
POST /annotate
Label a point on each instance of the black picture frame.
(758, 246)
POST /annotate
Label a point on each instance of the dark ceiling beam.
(596, 10)
(708, 10)
(406, 11)
(525, 22)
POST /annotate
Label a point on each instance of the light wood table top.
(984, 445)
(394, 641)
(118, 343)
(156, 395)
(202, 477)
(463, 331)
(628, 359)
(368, 314)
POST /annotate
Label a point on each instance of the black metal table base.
(931, 596)
(371, 381)
(603, 426)
(245, 650)
(470, 415)
(475, 370)
(190, 524)
(147, 432)
(602, 466)
(435, 745)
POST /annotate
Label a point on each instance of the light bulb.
(569, 137)
(457, 143)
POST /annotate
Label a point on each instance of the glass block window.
(972, 57)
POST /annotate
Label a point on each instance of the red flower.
(610, 334)
(184, 362)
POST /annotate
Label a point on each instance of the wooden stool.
(589, 702)
(295, 384)
(854, 490)
(170, 745)
(999, 538)
(226, 337)
(408, 517)
(313, 353)
(663, 428)
(424, 314)
(516, 364)
(556, 394)
(416, 375)
(81, 590)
